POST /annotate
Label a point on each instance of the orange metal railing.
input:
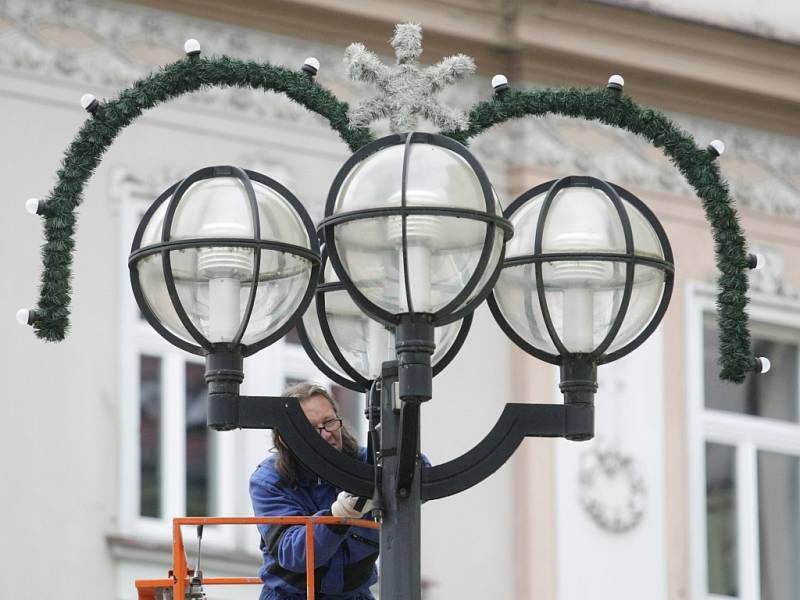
(180, 575)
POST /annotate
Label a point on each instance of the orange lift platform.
(179, 579)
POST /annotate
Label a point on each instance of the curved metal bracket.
(285, 415)
(517, 421)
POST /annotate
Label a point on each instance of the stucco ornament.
(612, 490)
(406, 91)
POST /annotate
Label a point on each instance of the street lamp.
(221, 265)
(226, 261)
(586, 279)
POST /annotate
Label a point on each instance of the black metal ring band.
(226, 242)
(526, 259)
(441, 211)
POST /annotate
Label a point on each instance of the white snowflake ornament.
(406, 91)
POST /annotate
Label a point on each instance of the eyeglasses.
(330, 426)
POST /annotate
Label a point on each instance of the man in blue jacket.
(344, 556)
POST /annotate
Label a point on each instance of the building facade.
(691, 488)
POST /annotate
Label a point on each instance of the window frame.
(747, 434)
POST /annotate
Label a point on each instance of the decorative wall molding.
(770, 278)
(104, 47)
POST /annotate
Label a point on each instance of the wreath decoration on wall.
(50, 318)
(607, 463)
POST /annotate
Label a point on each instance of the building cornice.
(669, 63)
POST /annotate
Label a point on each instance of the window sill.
(226, 561)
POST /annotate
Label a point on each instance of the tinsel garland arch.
(697, 165)
(191, 74)
(83, 155)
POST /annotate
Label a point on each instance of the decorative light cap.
(25, 316)
(756, 261)
(191, 47)
(716, 148)
(500, 84)
(616, 83)
(35, 206)
(311, 67)
(89, 103)
(761, 364)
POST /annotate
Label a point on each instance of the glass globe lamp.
(222, 264)
(349, 347)
(413, 226)
(416, 236)
(226, 256)
(587, 277)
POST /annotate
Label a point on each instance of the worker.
(344, 556)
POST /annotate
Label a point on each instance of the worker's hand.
(348, 505)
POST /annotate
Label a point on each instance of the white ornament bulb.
(32, 206)
(616, 81)
(717, 147)
(191, 47)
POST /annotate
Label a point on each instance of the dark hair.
(286, 462)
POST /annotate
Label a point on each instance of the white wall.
(594, 562)
(467, 539)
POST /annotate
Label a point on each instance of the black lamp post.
(226, 261)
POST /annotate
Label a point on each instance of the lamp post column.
(400, 530)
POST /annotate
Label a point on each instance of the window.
(747, 457)
(150, 436)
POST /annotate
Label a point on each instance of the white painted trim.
(747, 521)
(696, 445)
(128, 424)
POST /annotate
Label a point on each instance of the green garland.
(187, 75)
(697, 165)
(191, 74)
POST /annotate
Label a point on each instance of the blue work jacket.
(344, 556)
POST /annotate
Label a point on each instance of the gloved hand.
(346, 506)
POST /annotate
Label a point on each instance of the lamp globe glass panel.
(583, 296)
(443, 251)
(363, 342)
(515, 290)
(214, 281)
(316, 338)
(494, 258)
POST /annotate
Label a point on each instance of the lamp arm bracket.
(517, 421)
(285, 415)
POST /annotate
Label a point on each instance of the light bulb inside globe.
(225, 268)
(421, 232)
(380, 347)
(379, 341)
(577, 278)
